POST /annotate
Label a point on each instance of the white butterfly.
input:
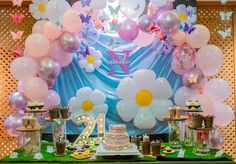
(226, 15)
(223, 1)
(226, 33)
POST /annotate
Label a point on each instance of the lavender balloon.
(168, 21)
(128, 30)
(167, 7)
(146, 23)
(17, 101)
(69, 42)
(11, 123)
(216, 141)
(192, 78)
(48, 68)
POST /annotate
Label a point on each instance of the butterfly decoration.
(163, 46)
(226, 33)
(223, 1)
(85, 19)
(17, 18)
(188, 28)
(17, 35)
(114, 11)
(17, 2)
(17, 51)
(114, 27)
(193, 80)
(104, 17)
(226, 15)
(84, 52)
(85, 2)
(137, 7)
(113, 44)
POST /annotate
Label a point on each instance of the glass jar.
(175, 137)
(32, 143)
(201, 138)
(58, 132)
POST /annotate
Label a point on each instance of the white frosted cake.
(117, 138)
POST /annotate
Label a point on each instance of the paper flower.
(219, 153)
(181, 153)
(38, 156)
(50, 149)
(143, 98)
(38, 9)
(88, 101)
(93, 157)
(13, 155)
(186, 14)
(91, 61)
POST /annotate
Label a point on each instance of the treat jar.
(201, 138)
(32, 143)
(175, 134)
(58, 132)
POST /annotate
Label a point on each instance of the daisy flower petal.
(127, 89)
(127, 109)
(82, 63)
(89, 68)
(163, 89)
(97, 97)
(102, 108)
(160, 108)
(84, 93)
(144, 119)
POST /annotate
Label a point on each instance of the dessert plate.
(167, 152)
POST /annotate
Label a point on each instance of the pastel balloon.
(69, 42)
(59, 55)
(167, 7)
(17, 101)
(50, 83)
(48, 68)
(23, 67)
(37, 45)
(217, 89)
(10, 125)
(98, 4)
(183, 94)
(56, 8)
(223, 113)
(146, 23)
(131, 8)
(52, 99)
(20, 86)
(52, 31)
(209, 58)
(206, 103)
(38, 26)
(199, 37)
(168, 21)
(72, 21)
(178, 37)
(192, 78)
(216, 141)
(143, 39)
(128, 30)
(158, 3)
(35, 88)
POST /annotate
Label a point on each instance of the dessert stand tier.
(36, 128)
(56, 120)
(191, 110)
(201, 129)
(182, 118)
(36, 110)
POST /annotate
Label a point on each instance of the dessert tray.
(101, 151)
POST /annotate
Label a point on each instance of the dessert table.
(168, 158)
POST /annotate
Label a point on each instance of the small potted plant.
(197, 120)
(60, 146)
(208, 121)
(54, 112)
(64, 112)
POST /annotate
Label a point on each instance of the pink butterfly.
(17, 18)
(18, 51)
(17, 2)
(17, 35)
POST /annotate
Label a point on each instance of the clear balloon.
(48, 68)
(52, 99)
(23, 67)
(52, 31)
(209, 58)
(35, 88)
(146, 23)
(168, 21)
(143, 39)
(217, 89)
(37, 45)
(11, 123)
(199, 37)
(95, 4)
(183, 94)
(128, 30)
(69, 42)
(72, 21)
(183, 58)
(192, 78)
(216, 140)
(223, 113)
(131, 8)
(167, 7)
(17, 101)
(158, 3)
(38, 26)
(178, 37)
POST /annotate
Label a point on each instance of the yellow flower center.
(144, 98)
(183, 16)
(41, 7)
(90, 59)
(87, 105)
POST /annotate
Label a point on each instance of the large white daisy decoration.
(38, 9)
(143, 98)
(88, 101)
(91, 61)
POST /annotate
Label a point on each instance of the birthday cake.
(117, 138)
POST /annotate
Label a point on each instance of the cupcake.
(64, 112)
(168, 149)
(197, 120)
(54, 113)
(197, 104)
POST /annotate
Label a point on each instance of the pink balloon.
(128, 30)
(183, 94)
(206, 104)
(199, 37)
(13, 122)
(217, 89)
(178, 37)
(216, 140)
(72, 21)
(37, 45)
(60, 56)
(23, 67)
(223, 113)
(38, 26)
(143, 39)
(52, 31)
(209, 58)
(52, 99)
(35, 88)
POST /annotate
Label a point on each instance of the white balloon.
(127, 109)
(74, 104)
(98, 4)
(38, 26)
(84, 93)
(158, 3)
(164, 90)
(144, 78)
(182, 95)
(132, 8)
(98, 97)
(160, 108)
(127, 89)
(144, 119)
